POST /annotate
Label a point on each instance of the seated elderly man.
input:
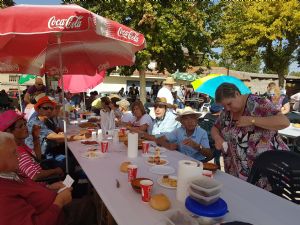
(188, 139)
(26, 202)
(165, 120)
(44, 108)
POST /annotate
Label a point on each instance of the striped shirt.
(28, 166)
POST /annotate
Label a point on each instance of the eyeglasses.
(39, 84)
(47, 108)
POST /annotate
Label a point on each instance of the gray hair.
(226, 90)
(4, 137)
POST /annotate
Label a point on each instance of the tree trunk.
(281, 80)
(142, 86)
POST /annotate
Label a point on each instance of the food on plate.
(123, 138)
(87, 125)
(91, 154)
(210, 166)
(89, 142)
(93, 120)
(297, 125)
(156, 160)
(123, 166)
(160, 202)
(166, 180)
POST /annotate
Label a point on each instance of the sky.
(293, 67)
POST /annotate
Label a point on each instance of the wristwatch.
(253, 121)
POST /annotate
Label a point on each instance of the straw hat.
(169, 80)
(123, 103)
(8, 118)
(162, 101)
(187, 111)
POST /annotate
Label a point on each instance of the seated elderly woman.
(280, 101)
(142, 121)
(29, 165)
(44, 108)
(165, 120)
(188, 139)
(26, 202)
(126, 114)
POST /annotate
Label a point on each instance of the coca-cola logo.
(73, 22)
(130, 35)
(55, 71)
(103, 66)
(4, 67)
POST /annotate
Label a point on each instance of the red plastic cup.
(145, 147)
(146, 188)
(104, 146)
(132, 171)
(123, 131)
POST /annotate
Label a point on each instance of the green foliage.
(295, 74)
(271, 28)
(178, 33)
(6, 3)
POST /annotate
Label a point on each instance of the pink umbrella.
(81, 83)
(63, 39)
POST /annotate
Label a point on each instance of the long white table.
(246, 202)
(290, 131)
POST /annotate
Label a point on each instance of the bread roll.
(123, 167)
(160, 202)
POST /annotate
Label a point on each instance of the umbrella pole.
(20, 100)
(63, 97)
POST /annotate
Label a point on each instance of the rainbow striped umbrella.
(209, 84)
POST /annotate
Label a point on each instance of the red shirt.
(27, 203)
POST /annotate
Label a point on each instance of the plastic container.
(178, 217)
(202, 199)
(207, 215)
(206, 186)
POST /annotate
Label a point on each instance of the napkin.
(132, 145)
(187, 171)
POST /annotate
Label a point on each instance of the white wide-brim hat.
(186, 111)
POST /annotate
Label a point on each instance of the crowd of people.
(32, 144)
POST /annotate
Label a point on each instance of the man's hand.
(191, 143)
(36, 131)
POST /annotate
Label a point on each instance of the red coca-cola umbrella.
(63, 39)
(33, 40)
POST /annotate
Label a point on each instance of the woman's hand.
(56, 186)
(63, 198)
(219, 143)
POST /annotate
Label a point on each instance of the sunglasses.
(47, 108)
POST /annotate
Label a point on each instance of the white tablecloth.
(245, 202)
(291, 132)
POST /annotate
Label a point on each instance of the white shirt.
(146, 119)
(127, 117)
(166, 93)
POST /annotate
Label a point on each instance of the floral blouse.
(246, 143)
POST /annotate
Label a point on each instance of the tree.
(6, 3)
(297, 74)
(270, 28)
(170, 27)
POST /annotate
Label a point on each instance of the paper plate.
(162, 170)
(152, 155)
(162, 162)
(93, 155)
(166, 185)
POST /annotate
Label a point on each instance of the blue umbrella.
(210, 86)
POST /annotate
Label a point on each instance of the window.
(13, 78)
